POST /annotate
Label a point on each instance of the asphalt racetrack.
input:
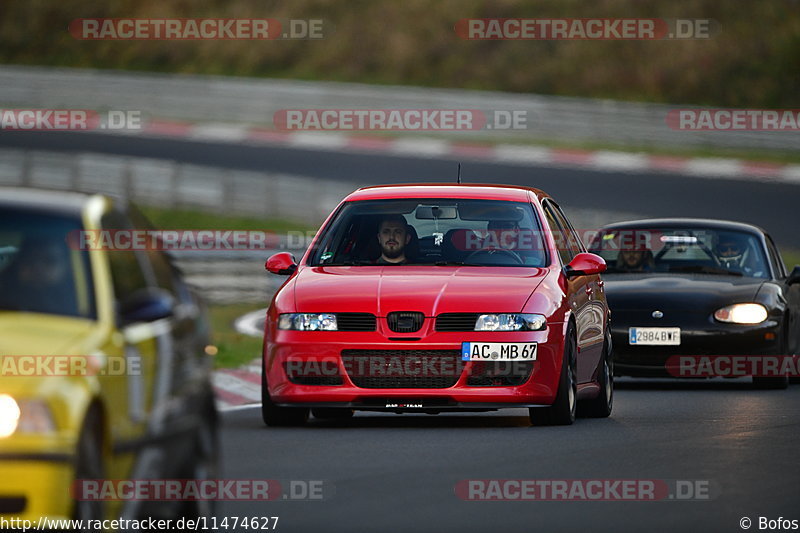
(388, 472)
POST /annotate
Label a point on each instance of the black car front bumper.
(710, 339)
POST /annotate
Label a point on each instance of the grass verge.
(234, 349)
(196, 220)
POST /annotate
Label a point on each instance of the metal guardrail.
(177, 185)
(254, 101)
(231, 277)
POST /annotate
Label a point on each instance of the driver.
(731, 252)
(393, 236)
(635, 260)
(39, 278)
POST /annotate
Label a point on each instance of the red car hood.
(431, 290)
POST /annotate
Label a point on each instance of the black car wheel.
(773, 383)
(274, 415)
(89, 464)
(204, 461)
(601, 406)
(562, 412)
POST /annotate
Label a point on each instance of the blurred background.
(208, 154)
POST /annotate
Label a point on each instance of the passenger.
(502, 234)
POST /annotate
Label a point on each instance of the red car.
(439, 297)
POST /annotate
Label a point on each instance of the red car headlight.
(510, 322)
(308, 321)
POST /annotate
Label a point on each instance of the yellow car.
(104, 361)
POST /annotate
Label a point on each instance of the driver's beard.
(392, 254)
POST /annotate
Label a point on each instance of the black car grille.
(405, 321)
(499, 373)
(456, 321)
(403, 369)
(355, 322)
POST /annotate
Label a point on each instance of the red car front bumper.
(343, 378)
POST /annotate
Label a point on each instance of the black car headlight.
(742, 314)
(308, 321)
(510, 322)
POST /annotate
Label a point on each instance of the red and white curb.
(237, 387)
(602, 160)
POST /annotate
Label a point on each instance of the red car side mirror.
(585, 264)
(282, 263)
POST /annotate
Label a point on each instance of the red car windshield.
(432, 231)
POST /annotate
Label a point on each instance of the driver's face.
(729, 249)
(393, 238)
(632, 258)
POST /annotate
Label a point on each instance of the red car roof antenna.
(458, 179)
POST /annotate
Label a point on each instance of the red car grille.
(456, 321)
(356, 321)
(325, 373)
(499, 373)
(403, 369)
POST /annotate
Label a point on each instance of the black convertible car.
(689, 292)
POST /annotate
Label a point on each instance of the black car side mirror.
(794, 277)
(146, 305)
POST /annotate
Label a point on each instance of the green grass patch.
(791, 258)
(196, 220)
(234, 349)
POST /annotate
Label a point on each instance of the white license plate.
(655, 336)
(498, 351)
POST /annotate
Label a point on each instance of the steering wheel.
(491, 253)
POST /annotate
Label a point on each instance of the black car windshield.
(432, 231)
(682, 250)
(39, 271)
